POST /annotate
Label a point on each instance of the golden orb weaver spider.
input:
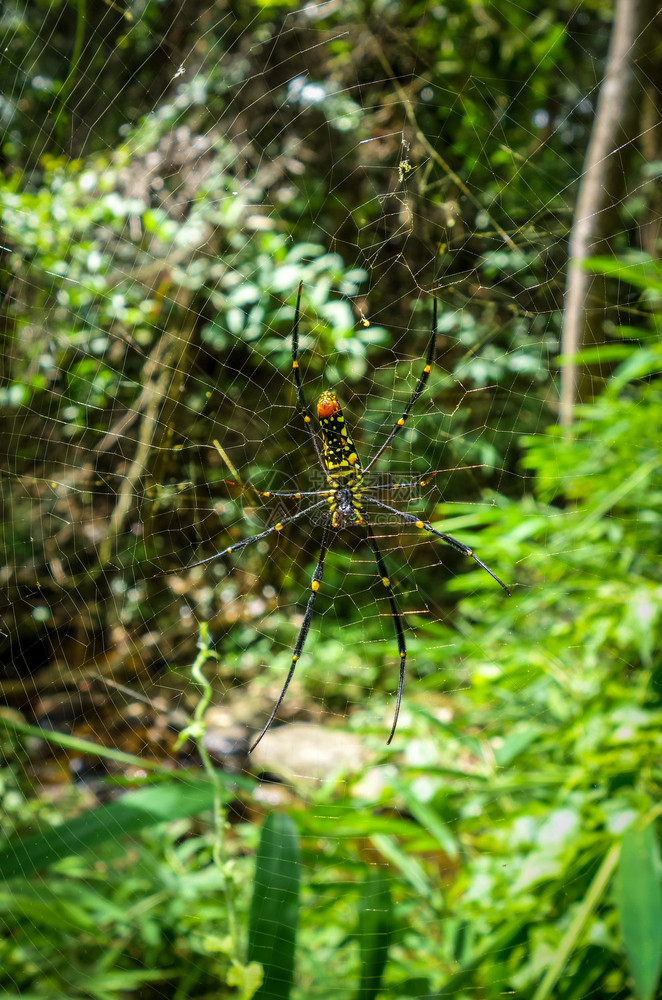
(346, 497)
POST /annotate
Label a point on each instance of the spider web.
(161, 203)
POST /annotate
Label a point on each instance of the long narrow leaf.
(133, 812)
(83, 746)
(571, 937)
(410, 868)
(493, 948)
(109, 753)
(275, 907)
(375, 931)
(429, 819)
(640, 908)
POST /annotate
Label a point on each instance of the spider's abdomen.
(345, 506)
(340, 455)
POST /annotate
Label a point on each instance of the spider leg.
(272, 493)
(249, 541)
(263, 493)
(420, 386)
(453, 542)
(303, 631)
(301, 399)
(397, 621)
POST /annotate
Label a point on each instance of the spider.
(345, 499)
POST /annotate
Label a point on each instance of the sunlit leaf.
(640, 907)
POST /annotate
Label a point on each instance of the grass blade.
(275, 907)
(376, 926)
(578, 925)
(409, 867)
(640, 908)
(131, 813)
(495, 945)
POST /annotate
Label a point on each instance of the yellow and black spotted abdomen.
(339, 452)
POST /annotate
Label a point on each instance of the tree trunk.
(602, 187)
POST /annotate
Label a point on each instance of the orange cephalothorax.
(327, 405)
(340, 455)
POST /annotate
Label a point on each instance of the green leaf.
(44, 908)
(133, 812)
(593, 355)
(640, 908)
(429, 819)
(578, 925)
(83, 746)
(641, 271)
(515, 743)
(495, 944)
(247, 978)
(409, 867)
(275, 906)
(376, 926)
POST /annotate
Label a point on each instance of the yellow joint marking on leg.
(469, 552)
(297, 496)
(295, 658)
(266, 494)
(315, 585)
(230, 548)
(426, 369)
(306, 419)
(278, 527)
(401, 421)
(295, 364)
(386, 581)
(420, 524)
(402, 655)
